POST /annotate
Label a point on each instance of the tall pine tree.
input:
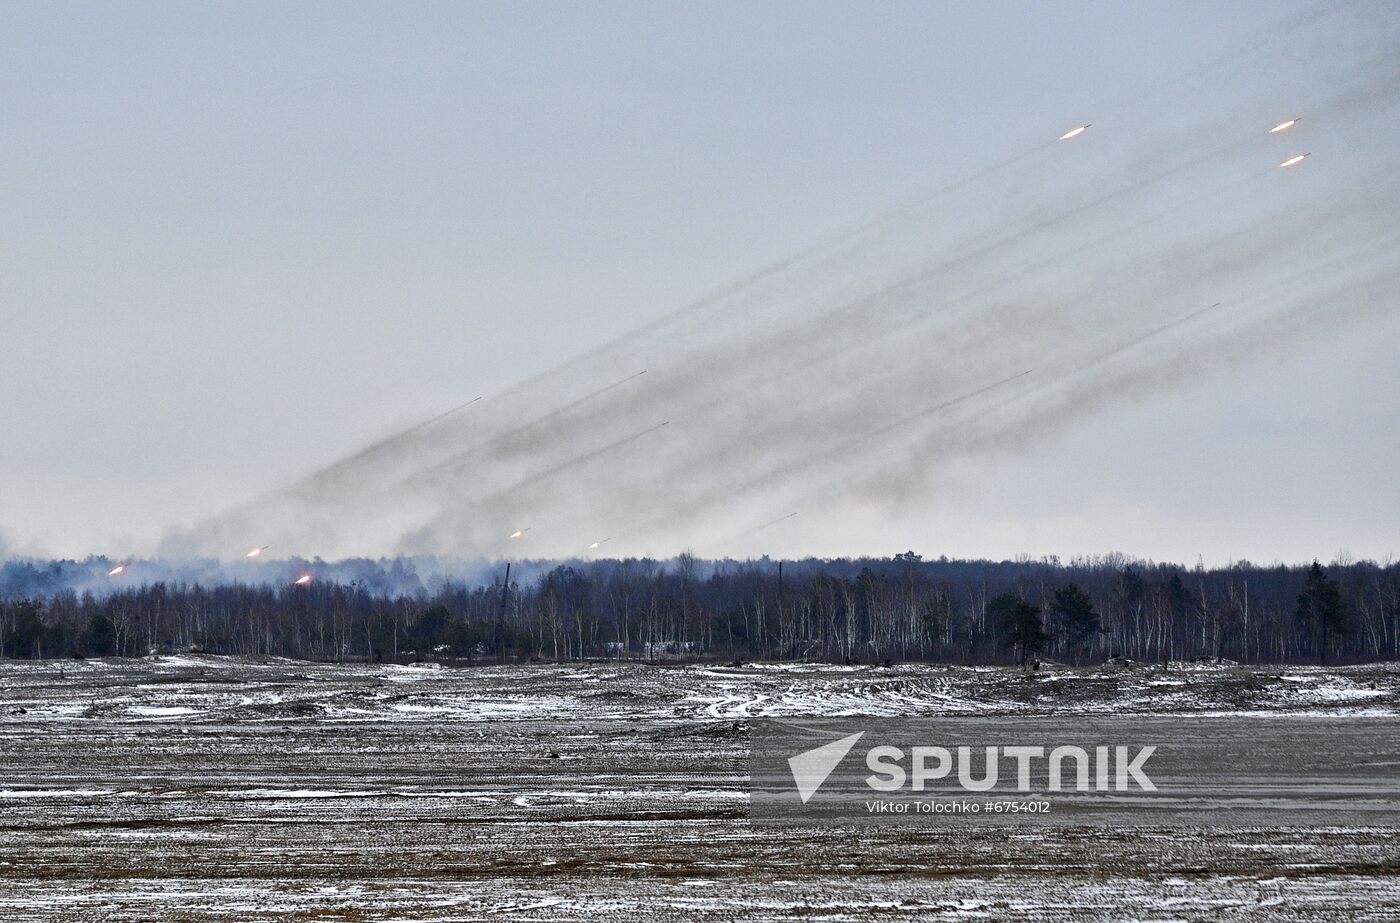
(1017, 624)
(1073, 619)
(1319, 611)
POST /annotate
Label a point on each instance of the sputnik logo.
(811, 768)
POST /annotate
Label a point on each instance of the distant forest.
(845, 611)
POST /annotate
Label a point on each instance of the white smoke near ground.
(33, 576)
(1162, 246)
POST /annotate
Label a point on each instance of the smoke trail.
(1063, 264)
(837, 472)
(1276, 35)
(773, 522)
(1089, 385)
(824, 460)
(480, 511)
(458, 463)
(734, 365)
(340, 468)
(757, 529)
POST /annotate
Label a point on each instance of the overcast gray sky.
(241, 240)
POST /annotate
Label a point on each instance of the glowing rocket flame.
(596, 544)
(256, 552)
(116, 571)
(1294, 160)
(519, 532)
(1283, 126)
(1074, 133)
(303, 580)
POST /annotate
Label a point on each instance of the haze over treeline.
(864, 610)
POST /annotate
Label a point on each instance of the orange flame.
(519, 532)
(303, 580)
(1283, 126)
(256, 552)
(120, 568)
(1294, 160)
(1074, 133)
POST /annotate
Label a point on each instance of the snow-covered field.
(191, 690)
(196, 787)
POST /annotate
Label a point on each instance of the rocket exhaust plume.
(520, 532)
(1295, 160)
(943, 405)
(560, 411)
(772, 523)
(577, 461)
(303, 580)
(459, 462)
(117, 571)
(870, 360)
(376, 450)
(756, 529)
(1283, 126)
(595, 545)
(257, 552)
(440, 417)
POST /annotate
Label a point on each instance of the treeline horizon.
(862, 610)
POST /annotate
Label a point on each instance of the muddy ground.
(192, 788)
